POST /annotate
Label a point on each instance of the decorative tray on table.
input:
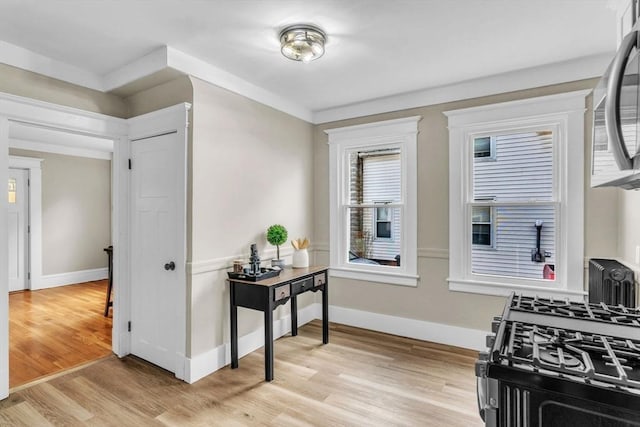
(265, 273)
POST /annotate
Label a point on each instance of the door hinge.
(28, 229)
(129, 326)
(28, 182)
(129, 164)
(29, 276)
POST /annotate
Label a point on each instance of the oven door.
(616, 112)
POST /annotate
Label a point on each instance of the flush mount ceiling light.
(302, 42)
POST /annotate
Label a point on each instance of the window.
(12, 190)
(484, 148)
(373, 210)
(481, 223)
(521, 173)
(521, 215)
(383, 223)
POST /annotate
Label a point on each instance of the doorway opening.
(57, 315)
(22, 119)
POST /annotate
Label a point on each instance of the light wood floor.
(51, 330)
(360, 378)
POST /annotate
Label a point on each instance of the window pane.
(482, 234)
(515, 238)
(382, 214)
(482, 147)
(523, 169)
(364, 248)
(12, 190)
(374, 176)
(383, 230)
(481, 214)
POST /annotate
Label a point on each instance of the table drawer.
(281, 292)
(302, 285)
(319, 279)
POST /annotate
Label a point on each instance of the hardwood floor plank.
(361, 378)
(56, 406)
(51, 330)
(23, 414)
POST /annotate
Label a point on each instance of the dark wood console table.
(266, 295)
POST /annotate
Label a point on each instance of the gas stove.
(561, 363)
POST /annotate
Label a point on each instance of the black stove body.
(561, 363)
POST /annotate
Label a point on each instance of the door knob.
(170, 266)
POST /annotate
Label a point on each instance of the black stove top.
(560, 363)
(583, 356)
(590, 343)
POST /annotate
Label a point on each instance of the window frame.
(564, 114)
(398, 133)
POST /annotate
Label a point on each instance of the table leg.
(234, 327)
(325, 314)
(268, 344)
(108, 303)
(294, 316)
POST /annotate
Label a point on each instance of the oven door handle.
(612, 102)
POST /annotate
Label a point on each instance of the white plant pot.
(300, 258)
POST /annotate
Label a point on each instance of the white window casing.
(390, 134)
(564, 115)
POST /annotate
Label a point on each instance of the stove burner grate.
(588, 356)
(575, 309)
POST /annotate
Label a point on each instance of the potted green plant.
(277, 235)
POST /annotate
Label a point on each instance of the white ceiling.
(376, 48)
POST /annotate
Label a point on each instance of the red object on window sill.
(548, 272)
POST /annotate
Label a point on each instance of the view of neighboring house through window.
(375, 174)
(373, 201)
(517, 189)
(516, 197)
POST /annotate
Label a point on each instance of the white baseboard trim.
(418, 329)
(70, 278)
(204, 364)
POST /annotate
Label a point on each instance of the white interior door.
(18, 193)
(157, 267)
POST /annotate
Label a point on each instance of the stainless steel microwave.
(616, 119)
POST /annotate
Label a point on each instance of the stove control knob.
(491, 339)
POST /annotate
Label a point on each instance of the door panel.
(155, 242)
(18, 196)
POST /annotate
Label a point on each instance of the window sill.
(499, 289)
(401, 279)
